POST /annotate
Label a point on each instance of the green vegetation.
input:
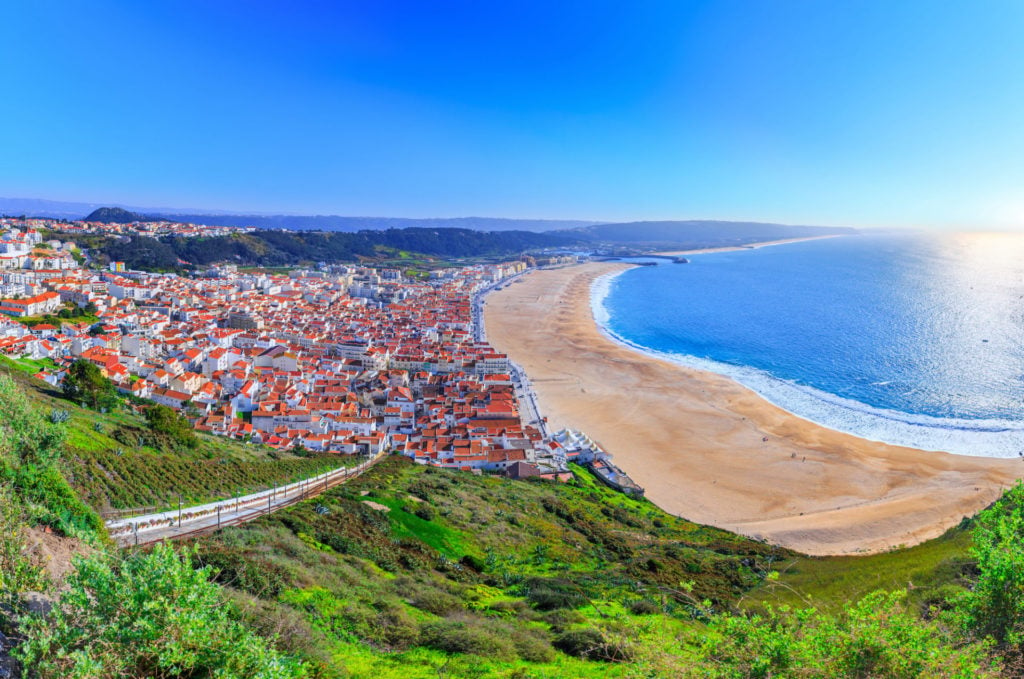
(924, 572)
(85, 384)
(151, 615)
(412, 571)
(419, 572)
(69, 313)
(30, 448)
(29, 365)
(874, 637)
(114, 459)
(147, 615)
(289, 248)
(164, 420)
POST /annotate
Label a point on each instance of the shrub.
(590, 644)
(150, 615)
(435, 601)
(425, 512)
(644, 607)
(461, 637)
(548, 594)
(995, 605)
(247, 572)
(166, 420)
(532, 646)
(875, 637)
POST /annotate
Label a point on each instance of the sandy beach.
(751, 246)
(712, 451)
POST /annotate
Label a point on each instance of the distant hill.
(69, 210)
(289, 248)
(696, 233)
(55, 209)
(352, 224)
(117, 215)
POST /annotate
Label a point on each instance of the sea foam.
(972, 437)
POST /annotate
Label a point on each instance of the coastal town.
(340, 359)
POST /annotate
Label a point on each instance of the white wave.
(979, 438)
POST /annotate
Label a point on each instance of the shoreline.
(709, 449)
(921, 432)
(751, 246)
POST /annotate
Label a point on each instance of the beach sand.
(710, 450)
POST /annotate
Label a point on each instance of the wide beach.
(711, 450)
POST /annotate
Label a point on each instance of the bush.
(532, 646)
(548, 594)
(995, 605)
(461, 637)
(164, 420)
(644, 607)
(875, 637)
(590, 644)
(425, 512)
(149, 615)
(247, 572)
(435, 601)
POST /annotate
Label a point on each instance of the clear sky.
(863, 113)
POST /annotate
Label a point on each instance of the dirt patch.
(376, 505)
(54, 553)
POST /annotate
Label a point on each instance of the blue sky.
(863, 113)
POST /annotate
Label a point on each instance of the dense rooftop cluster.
(344, 359)
(152, 229)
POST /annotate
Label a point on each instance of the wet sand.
(708, 449)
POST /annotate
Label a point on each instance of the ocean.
(910, 339)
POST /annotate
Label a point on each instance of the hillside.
(343, 223)
(116, 215)
(420, 572)
(289, 248)
(413, 571)
(114, 461)
(696, 234)
(391, 573)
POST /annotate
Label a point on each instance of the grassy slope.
(472, 576)
(106, 465)
(826, 583)
(367, 592)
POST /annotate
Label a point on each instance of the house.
(37, 305)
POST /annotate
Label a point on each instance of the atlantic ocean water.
(910, 339)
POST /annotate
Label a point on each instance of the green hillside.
(114, 461)
(411, 571)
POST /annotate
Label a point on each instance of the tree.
(166, 420)
(84, 383)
